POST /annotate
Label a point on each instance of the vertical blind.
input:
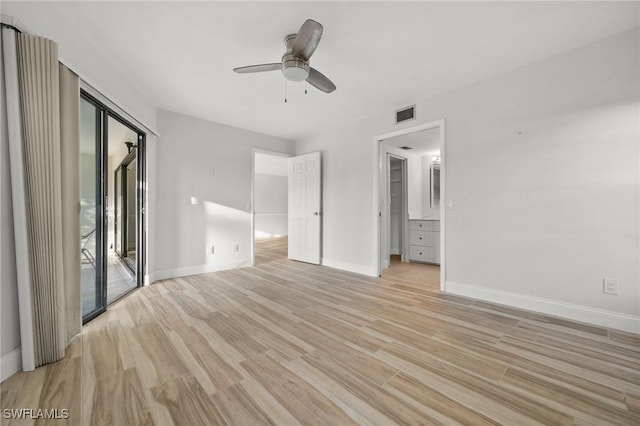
(49, 97)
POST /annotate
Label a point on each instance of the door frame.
(100, 224)
(378, 188)
(255, 151)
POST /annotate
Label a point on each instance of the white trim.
(570, 311)
(166, 274)
(443, 211)
(10, 364)
(350, 267)
(14, 129)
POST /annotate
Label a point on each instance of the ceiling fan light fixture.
(294, 68)
(295, 73)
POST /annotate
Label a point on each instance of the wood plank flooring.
(288, 343)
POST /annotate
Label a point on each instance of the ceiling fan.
(295, 61)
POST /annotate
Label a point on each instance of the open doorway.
(410, 218)
(270, 206)
(397, 194)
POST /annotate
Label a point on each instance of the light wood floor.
(426, 274)
(289, 343)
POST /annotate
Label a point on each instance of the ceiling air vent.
(405, 114)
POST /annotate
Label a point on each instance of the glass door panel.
(91, 230)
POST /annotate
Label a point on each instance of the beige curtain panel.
(49, 104)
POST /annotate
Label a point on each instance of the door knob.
(316, 213)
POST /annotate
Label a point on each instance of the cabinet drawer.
(422, 254)
(421, 238)
(421, 225)
(436, 225)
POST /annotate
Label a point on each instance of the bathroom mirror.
(435, 185)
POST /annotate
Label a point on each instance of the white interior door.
(305, 208)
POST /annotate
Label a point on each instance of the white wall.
(204, 194)
(270, 205)
(270, 195)
(542, 167)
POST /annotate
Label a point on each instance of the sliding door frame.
(103, 113)
(100, 230)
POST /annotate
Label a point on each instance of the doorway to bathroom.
(410, 220)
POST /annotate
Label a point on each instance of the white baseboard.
(351, 267)
(10, 364)
(199, 269)
(570, 311)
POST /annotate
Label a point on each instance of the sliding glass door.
(91, 209)
(112, 207)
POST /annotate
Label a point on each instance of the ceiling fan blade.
(319, 81)
(258, 68)
(307, 39)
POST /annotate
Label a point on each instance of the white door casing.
(305, 191)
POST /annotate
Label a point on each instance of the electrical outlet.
(236, 247)
(610, 286)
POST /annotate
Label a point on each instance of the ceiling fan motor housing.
(294, 68)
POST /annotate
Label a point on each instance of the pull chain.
(305, 87)
(285, 90)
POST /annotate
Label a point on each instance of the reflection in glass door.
(123, 216)
(126, 210)
(130, 181)
(117, 200)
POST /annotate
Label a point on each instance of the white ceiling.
(267, 164)
(381, 55)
